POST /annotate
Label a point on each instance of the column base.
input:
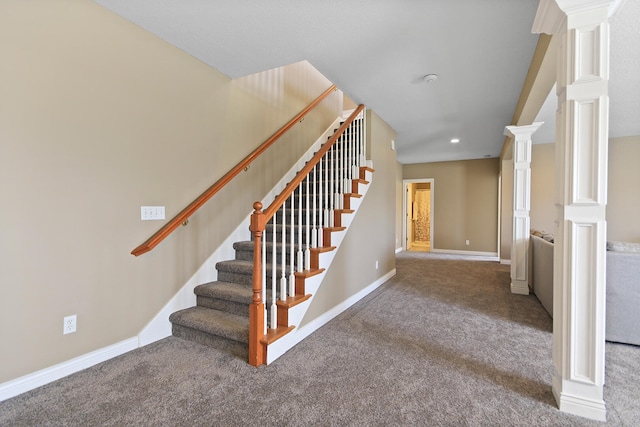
(580, 406)
(520, 287)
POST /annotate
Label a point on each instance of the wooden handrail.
(186, 213)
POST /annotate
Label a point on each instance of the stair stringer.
(160, 327)
(312, 284)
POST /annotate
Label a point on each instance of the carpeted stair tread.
(214, 322)
(226, 291)
(235, 266)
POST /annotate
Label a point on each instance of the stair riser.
(242, 279)
(237, 308)
(232, 307)
(229, 346)
(245, 279)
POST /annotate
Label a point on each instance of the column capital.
(551, 16)
(522, 131)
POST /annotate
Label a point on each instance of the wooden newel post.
(257, 353)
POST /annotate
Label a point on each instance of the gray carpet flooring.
(443, 343)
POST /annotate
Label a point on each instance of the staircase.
(221, 317)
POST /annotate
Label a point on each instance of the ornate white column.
(580, 197)
(521, 205)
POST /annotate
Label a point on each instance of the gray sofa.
(541, 270)
(623, 285)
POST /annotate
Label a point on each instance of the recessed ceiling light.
(455, 140)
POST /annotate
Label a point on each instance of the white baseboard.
(287, 342)
(505, 261)
(39, 378)
(578, 405)
(519, 287)
(470, 253)
(400, 249)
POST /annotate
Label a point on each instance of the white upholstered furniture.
(623, 285)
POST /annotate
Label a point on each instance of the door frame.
(405, 188)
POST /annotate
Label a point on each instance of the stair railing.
(187, 212)
(316, 197)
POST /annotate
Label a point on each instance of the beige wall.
(542, 213)
(98, 117)
(349, 104)
(623, 207)
(371, 236)
(506, 210)
(465, 203)
(399, 203)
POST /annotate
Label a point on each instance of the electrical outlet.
(467, 243)
(69, 324)
(376, 264)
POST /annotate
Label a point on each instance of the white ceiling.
(377, 52)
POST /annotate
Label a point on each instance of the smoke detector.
(430, 78)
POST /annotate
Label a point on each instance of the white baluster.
(336, 177)
(264, 278)
(343, 169)
(361, 157)
(330, 190)
(307, 226)
(292, 250)
(300, 263)
(346, 182)
(352, 139)
(355, 131)
(337, 184)
(320, 206)
(340, 178)
(274, 274)
(364, 138)
(360, 145)
(314, 230)
(283, 254)
(354, 151)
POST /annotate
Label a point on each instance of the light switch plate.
(151, 212)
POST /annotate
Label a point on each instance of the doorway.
(418, 210)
